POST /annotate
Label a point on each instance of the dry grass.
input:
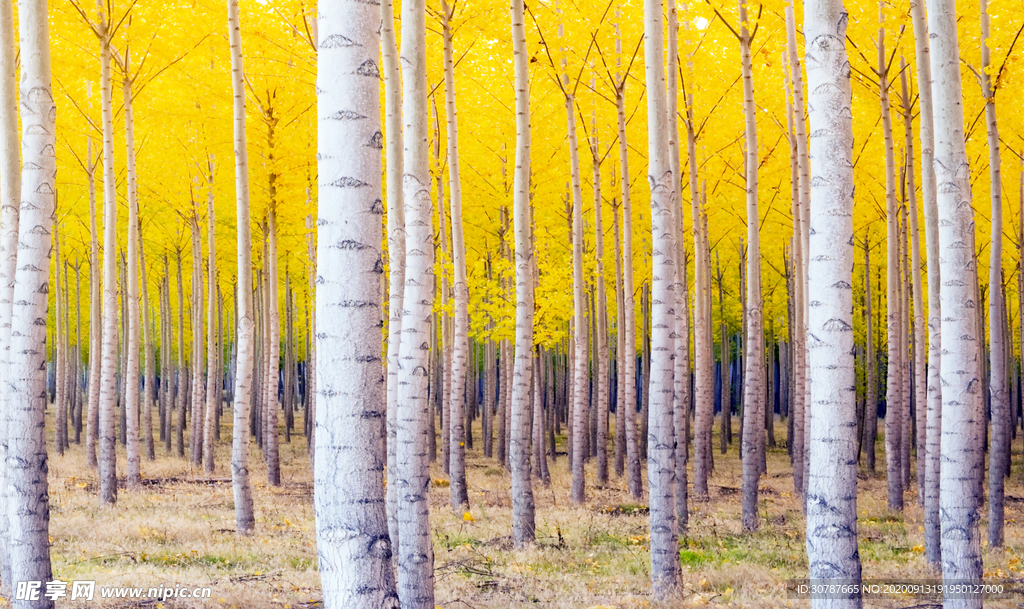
(180, 532)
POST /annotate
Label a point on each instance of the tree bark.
(132, 387)
(832, 482)
(460, 325)
(962, 463)
(894, 373)
(753, 353)
(28, 506)
(661, 466)
(244, 518)
(10, 203)
(523, 525)
(416, 555)
(999, 451)
(352, 536)
(108, 347)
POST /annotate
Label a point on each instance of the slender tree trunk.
(832, 482)
(244, 518)
(753, 352)
(460, 353)
(894, 374)
(703, 386)
(396, 246)
(999, 455)
(213, 346)
(601, 317)
(132, 386)
(59, 397)
(632, 464)
(10, 204)
(108, 367)
(416, 555)
(871, 393)
(28, 505)
(198, 338)
(352, 540)
(962, 462)
(681, 366)
(580, 360)
(661, 466)
(800, 409)
(274, 351)
(523, 525)
(620, 348)
(148, 328)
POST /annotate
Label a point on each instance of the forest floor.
(178, 531)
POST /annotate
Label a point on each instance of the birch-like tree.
(661, 463)
(523, 525)
(10, 202)
(28, 505)
(961, 457)
(245, 345)
(415, 553)
(999, 397)
(753, 352)
(460, 325)
(352, 536)
(832, 478)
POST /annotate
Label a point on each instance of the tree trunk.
(132, 388)
(962, 461)
(10, 203)
(871, 392)
(703, 386)
(416, 555)
(580, 360)
(213, 346)
(894, 373)
(523, 525)
(661, 466)
(460, 349)
(999, 452)
(244, 518)
(931, 230)
(632, 464)
(28, 503)
(352, 540)
(601, 318)
(753, 353)
(832, 482)
(148, 328)
(108, 366)
(273, 341)
(198, 336)
(799, 409)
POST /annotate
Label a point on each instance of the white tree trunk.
(131, 381)
(108, 366)
(352, 537)
(832, 481)
(28, 506)
(198, 404)
(661, 465)
(10, 202)
(961, 455)
(753, 352)
(894, 375)
(581, 364)
(999, 451)
(245, 325)
(273, 355)
(396, 243)
(523, 525)
(798, 410)
(213, 347)
(416, 552)
(460, 329)
(635, 482)
(933, 411)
